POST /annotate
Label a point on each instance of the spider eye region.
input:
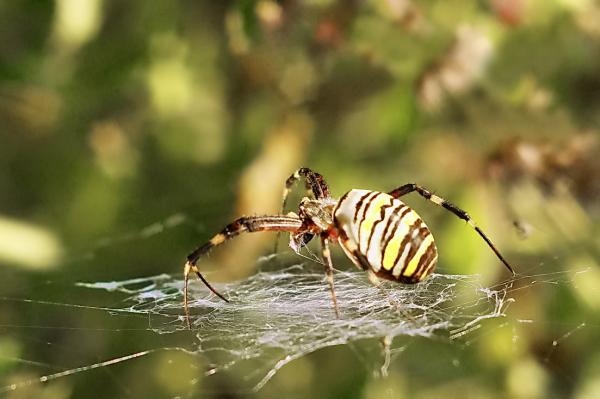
(381, 233)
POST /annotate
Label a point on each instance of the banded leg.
(242, 225)
(326, 254)
(423, 192)
(314, 182)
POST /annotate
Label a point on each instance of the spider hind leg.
(423, 192)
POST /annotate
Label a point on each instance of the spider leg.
(326, 254)
(249, 224)
(423, 192)
(315, 183)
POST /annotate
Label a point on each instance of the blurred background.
(130, 132)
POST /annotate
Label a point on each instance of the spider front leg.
(326, 254)
(314, 181)
(423, 192)
(242, 225)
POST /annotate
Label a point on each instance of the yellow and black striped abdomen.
(381, 233)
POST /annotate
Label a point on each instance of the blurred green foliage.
(117, 115)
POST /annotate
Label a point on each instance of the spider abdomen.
(381, 233)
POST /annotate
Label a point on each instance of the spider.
(377, 231)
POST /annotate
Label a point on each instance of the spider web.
(282, 314)
(276, 317)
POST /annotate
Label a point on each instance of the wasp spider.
(376, 230)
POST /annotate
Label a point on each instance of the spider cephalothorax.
(319, 212)
(376, 230)
(316, 216)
